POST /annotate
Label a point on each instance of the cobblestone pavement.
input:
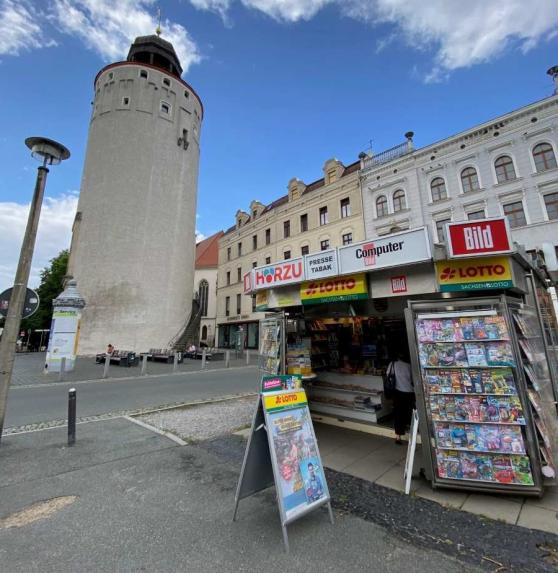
(28, 368)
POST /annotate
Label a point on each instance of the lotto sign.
(399, 284)
(471, 238)
(474, 274)
(351, 287)
(284, 401)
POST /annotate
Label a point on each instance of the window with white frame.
(381, 206)
(345, 208)
(551, 204)
(438, 189)
(399, 200)
(515, 213)
(469, 180)
(323, 216)
(474, 215)
(440, 227)
(165, 108)
(544, 157)
(505, 170)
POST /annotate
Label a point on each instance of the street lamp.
(50, 153)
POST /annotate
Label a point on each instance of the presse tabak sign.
(383, 252)
(480, 237)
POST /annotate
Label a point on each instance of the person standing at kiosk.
(404, 395)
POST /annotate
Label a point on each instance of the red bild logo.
(479, 237)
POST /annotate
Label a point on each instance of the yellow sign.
(285, 400)
(350, 287)
(474, 274)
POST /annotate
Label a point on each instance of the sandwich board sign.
(282, 449)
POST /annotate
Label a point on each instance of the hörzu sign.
(394, 250)
(474, 274)
(277, 274)
(335, 289)
(480, 237)
(320, 265)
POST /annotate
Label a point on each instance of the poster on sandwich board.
(282, 449)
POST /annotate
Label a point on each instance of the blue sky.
(286, 84)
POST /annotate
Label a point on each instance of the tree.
(52, 284)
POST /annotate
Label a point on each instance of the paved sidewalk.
(29, 368)
(129, 500)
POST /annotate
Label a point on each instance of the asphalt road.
(46, 402)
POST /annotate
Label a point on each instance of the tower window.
(186, 94)
(125, 101)
(111, 76)
(166, 82)
(165, 108)
(143, 74)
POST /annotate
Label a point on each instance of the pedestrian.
(110, 350)
(403, 397)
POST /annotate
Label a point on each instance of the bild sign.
(480, 237)
(474, 274)
(397, 249)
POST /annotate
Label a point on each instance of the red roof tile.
(207, 251)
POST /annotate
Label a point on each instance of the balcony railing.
(388, 155)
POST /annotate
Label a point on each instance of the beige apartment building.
(324, 214)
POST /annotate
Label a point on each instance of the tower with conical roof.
(133, 240)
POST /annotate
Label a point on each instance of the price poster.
(283, 438)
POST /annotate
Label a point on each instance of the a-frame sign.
(282, 449)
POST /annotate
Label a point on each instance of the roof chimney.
(553, 71)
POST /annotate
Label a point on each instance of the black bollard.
(71, 416)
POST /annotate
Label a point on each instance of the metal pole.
(143, 365)
(175, 362)
(227, 358)
(62, 369)
(247, 357)
(17, 300)
(107, 366)
(71, 416)
(204, 358)
(41, 343)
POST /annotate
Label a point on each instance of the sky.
(286, 85)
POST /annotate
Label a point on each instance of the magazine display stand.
(272, 350)
(477, 407)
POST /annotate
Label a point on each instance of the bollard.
(204, 358)
(143, 365)
(175, 362)
(62, 369)
(71, 416)
(106, 368)
(247, 357)
(227, 358)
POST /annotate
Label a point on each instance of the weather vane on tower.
(158, 29)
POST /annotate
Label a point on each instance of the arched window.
(204, 332)
(399, 200)
(438, 189)
(505, 171)
(544, 157)
(203, 293)
(469, 179)
(381, 206)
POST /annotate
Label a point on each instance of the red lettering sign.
(479, 237)
(283, 273)
(399, 284)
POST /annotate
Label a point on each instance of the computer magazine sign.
(393, 250)
(479, 237)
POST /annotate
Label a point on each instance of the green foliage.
(52, 284)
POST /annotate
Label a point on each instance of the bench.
(119, 357)
(163, 355)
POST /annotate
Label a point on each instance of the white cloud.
(109, 27)
(200, 236)
(19, 28)
(459, 33)
(54, 234)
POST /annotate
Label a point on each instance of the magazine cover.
(469, 467)
(467, 329)
(312, 477)
(502, 469)
(522, 470)
(476, 355)
(458, 435)
(499, 354)
(440, 354)
(449, 464)
(479, 329)
(443, 435)
(484, 467)
(511, 439)
(489, 438)
(473, 381)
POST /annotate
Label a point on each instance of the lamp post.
(50, 153)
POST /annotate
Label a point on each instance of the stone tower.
(133, 241)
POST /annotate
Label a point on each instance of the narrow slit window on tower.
(186, 94)
(143, 74)
(126, 101)
(165, 107)
(111, 76)
(166, 82)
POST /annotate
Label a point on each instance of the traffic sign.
(29, 308)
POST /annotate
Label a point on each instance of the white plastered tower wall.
(133, 246)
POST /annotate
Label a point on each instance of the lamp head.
(48, 151)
